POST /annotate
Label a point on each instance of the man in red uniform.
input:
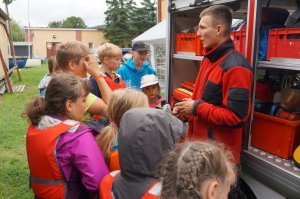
(221, 100)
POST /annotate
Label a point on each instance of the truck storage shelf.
(280, 174)
(190, 56)
(288, 64)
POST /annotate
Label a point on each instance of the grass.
(14, 173)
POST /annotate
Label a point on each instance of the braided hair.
(188, 166)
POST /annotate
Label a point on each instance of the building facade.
(161, 10)
(45, 40)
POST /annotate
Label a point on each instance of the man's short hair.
(70, 51)
(220, 14)
(108, 50)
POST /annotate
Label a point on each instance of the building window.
(90, 45)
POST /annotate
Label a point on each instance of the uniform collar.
(218, 52)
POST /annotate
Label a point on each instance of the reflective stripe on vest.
(105, 190)
(47, 180)
(153, 192)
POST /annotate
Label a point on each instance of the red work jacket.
(223, 98)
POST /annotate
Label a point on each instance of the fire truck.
(267, 167)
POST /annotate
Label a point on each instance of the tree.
(55, 24)
(73, 22)
(7, 2)
(16, 31)
(124, 20)
(148, 10)
(116, 21)
(119, 21)
(70, 22)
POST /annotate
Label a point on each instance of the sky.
(41, 12)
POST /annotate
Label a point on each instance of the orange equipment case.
(275, 135)
(189, 42)
(279, 45)
(239, 40)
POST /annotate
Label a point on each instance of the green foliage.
(70, 22)
(55, 24)
(14, 173)
(124, 20)
(73, 22)
(16, 31)
(148, 11)
(7, 2)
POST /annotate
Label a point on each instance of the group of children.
(139, 146)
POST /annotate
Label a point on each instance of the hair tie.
(112, 124)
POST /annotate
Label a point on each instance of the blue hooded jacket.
(132, 76)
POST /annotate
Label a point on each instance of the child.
(110, 57)
(120, 102)
(144, 136)
(197, 170)
(46, 79)
(63, 156)
(74, 57)
(150, 86)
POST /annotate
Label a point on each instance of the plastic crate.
(189, 42)
(280, 45)
(275, 135)
(239, 40)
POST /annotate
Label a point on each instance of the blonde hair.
(121, 101)
(108, 50)
(188, 166)
(70, 51)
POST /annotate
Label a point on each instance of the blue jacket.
(132, 76)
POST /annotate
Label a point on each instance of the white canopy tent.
(156, 38)
(155, 35)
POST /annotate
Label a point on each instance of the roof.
(155, 35)
(100, 27)
(70, 29)
(4, 15)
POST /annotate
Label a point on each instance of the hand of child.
(91, 65)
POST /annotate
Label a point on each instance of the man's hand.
(91, 65)
(183, 108)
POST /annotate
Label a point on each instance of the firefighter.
(221, 100)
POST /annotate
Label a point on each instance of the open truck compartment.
(269, 138)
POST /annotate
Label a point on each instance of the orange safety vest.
(105, 190)
(114, 163)
(46, 178)
(112, 84)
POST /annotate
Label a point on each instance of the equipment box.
(284, 43)
(189, 42)
(239, 40)
(275, 135)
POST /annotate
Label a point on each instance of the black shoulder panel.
(234, 59)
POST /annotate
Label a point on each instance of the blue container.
(20, 61)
